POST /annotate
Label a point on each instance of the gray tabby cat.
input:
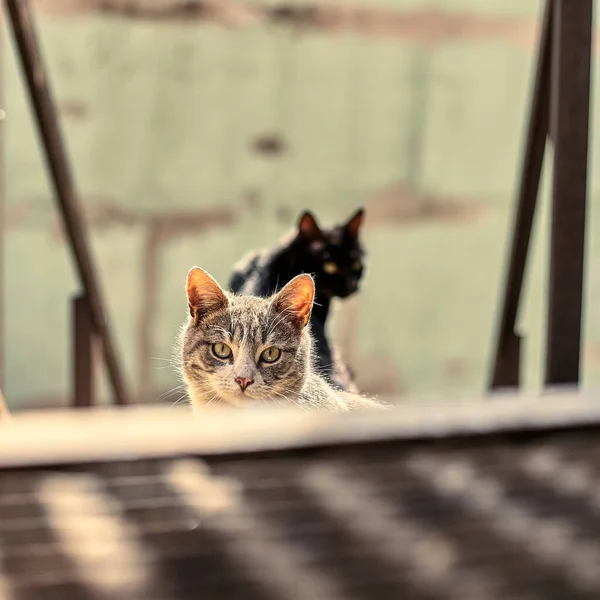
(244, 350)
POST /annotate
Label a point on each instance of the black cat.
(335, 257)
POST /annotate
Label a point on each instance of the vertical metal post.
(83, 352)
(505, 372)
(4, 414)
(570, 100)
(68, 204)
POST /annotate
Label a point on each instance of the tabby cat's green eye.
(356, 265)
(221, 350)
(330, 268)
(271, 354)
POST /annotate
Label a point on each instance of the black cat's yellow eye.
(221, 350)
(330, 268)
(356, 265)
(270, 354)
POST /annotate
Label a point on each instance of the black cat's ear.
(308, 226)
(295, 300)
(204, 294)
(353, 225)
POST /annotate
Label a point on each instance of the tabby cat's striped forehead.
(249, 320)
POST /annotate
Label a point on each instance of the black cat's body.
(333, 256)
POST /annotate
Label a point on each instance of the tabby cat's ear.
(204, 294)
(353, 225)
(296, 299)
(308, 227)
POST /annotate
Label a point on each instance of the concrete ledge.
(112, 434)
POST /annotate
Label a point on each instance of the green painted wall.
(161, 120)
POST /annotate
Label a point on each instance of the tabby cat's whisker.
(179, 400)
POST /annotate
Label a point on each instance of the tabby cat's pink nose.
(244, 382)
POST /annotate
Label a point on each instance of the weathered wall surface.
(198, 135)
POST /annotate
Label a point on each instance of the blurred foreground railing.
(477, 501)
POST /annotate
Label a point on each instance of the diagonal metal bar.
(83, 346)
(68, 204)
(505, 372)
(570, 107)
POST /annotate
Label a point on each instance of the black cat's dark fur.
(335, 257)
